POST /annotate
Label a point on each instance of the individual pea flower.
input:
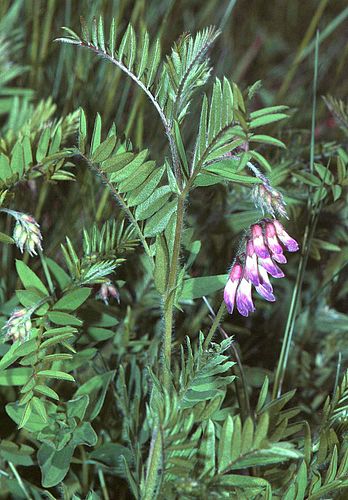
(108, 290)
(26, 233)
(232, 284)
(258, 241)
(251, 267)
(290, 244)
(18, 326)
(244, 299)
(273, 243)
(265, 288)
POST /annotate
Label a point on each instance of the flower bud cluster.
(108, 290)
(263, 250)
(18, 325)
(26, 234)
(269, 200)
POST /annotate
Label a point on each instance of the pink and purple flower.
(253, 267)
(232, 284)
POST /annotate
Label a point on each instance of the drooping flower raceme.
(108, 290)
(27, 234)
(263, 250)
(18, 326)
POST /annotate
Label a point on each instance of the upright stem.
(169, 297)
(215, 325)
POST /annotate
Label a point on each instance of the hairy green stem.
(240, 381)
(169, 296)
(215, 325)
(153, 466)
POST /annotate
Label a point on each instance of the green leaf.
(262, 160)
(29, 278)
(85, 434)
(225, 444)
(96, 137)
(308, 178)
(267, 119)
(5, 169)
(56, 374)
(159, 221)
(73, 300)
(266, 139)
(96, 389)
(46, 391)
(16, 413)
(29, 298)
(27, 347)
(153, 204)
(104, 150)
(77, 407)
(161, 264)
(39, 407)
(207, 449)
(61, 318)
(26, 415)
(195, 288)
(10, 356)
(17, 160)
(42, 147)
(54, 464)
(19, 455)
(267, 111)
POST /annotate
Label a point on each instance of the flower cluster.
(27, 233)
(269, 200)
(263, 250)
(108, 290)
(18, 325)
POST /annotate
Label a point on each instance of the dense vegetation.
(135, 171)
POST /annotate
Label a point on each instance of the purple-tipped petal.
(258, 241)
(250, 269)
(271, 268)
(264, 279)
(244, 300)
(232, 284)
(290, 243)
(230, 294)
(265, 293)
(279, 257)
(272, 240)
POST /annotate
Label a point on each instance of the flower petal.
(230, 294)
(271, 267)
(265, 293)
(243, 299)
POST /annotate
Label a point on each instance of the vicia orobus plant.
(154, 197)
(174, 427)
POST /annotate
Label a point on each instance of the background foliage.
(84, 412)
